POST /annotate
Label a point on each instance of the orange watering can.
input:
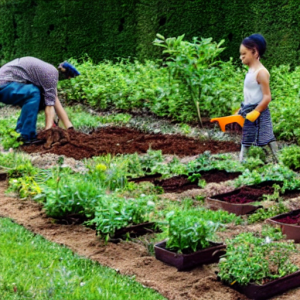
(223, 121)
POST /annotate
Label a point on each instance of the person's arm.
(263, 78)
(49, 114)
(61, 113)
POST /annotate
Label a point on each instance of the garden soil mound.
(121, 140)
(128, 258)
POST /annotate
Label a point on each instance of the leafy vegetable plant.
(207, 162)
(114, 212)
(255, 259)
(290, 156)
(189, 233)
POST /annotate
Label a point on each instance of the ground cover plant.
(190, 230)
(207, 162)
(290, 179)
(55, 272)
(260, 259)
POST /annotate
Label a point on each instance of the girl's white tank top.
(252, 89)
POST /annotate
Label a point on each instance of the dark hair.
(255, 42)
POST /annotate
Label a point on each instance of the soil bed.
(290, 219)
(247, 194)
(122, 140)
(181, 183)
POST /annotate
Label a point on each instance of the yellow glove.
(253, 115)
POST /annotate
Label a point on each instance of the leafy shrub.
(147, 86)
(187, 232)
(65, 194)
(114, 212)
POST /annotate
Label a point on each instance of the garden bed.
(181, 183)
(240, 200)
(118, 140)
(289, 224)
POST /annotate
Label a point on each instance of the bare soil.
(122, 140)
(181, 183)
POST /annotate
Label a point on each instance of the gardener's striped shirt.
(32, 70)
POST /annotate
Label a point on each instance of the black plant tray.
(188, 261)
(217, 201)
(291, 231)
(270, 289)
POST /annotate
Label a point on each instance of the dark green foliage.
(105, 29)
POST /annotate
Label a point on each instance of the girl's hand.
(253, 115)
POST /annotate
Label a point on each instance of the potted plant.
(259, 267)
(189, 242)
(116, 217)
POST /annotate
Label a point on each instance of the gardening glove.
(253, 115)
(56, 136)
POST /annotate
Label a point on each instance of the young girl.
(257, 130)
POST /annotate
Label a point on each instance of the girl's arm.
(263, 78)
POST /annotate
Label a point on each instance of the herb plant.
(8, 135)
(207, 162)
(252, 259)
(114, 212)
(269, 212)
(189, 233)
(269, 172)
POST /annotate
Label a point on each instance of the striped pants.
(260, 132)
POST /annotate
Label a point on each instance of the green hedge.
(106, 29)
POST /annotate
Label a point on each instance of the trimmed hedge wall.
(106, 29)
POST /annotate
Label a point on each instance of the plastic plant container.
(289, 223)
(188, 261)
(221, 201)
(270, 289)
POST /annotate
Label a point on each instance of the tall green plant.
(193, 62)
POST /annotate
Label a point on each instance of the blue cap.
(70, 69)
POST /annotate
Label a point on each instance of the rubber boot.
(243, 153)
(274, 149)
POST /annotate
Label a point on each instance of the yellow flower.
(101, 167)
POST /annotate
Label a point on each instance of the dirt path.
(128, 257)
